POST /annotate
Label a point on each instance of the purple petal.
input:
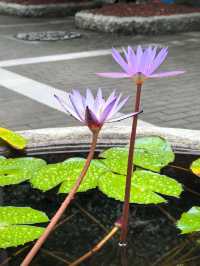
(107, 110)
(139, 54)
(89, 100)
(99, 101)
(79, 100)
(143, 62)
(117, 106)
(78, 111)
(132, 61)
(166, 74)
(110, 99)
(123, 117)
(120, 60)
(152, 54)
(115, 75)
(159, 59)
(90, 118)
(66, 108)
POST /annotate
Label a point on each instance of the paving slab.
(169, 102)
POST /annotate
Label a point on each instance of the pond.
(153, 238)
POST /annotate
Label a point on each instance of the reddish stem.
(130, 166)
(63, 206)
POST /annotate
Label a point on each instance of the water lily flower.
(141, 64)
(91, 111)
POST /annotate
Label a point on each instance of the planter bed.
(140, 19)
(39, 8)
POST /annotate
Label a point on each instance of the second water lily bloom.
(140, 64)
(94, 111)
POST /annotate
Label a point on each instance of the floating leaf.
(53, 174)
(190, 221)
(13, 232)
(152, 153)
(21, 215)
(15, 235)
(50, 176)
(14, 171)
(195, 167)
(144, 187)
(90, 181)
(13, 139)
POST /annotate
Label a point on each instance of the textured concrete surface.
(172, 102)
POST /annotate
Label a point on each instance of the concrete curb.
(61, 9)
(139, 25)
(70, 139)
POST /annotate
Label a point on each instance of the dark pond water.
(153, 239)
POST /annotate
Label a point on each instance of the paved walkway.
(34, 69)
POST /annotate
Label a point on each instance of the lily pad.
(90, 181)
(190, 221)
(67, 172)
(151, 153)
(15, 171)
(144, 187)
(13, 139)
(13, 232)
(195, 167)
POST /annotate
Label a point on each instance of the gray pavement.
(171, 102)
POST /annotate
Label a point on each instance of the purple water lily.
(141, 64)
(91, 111)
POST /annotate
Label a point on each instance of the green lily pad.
(195, 167)
(50, 176)
(13, 139)
(67, 172)
(151, 153)
(15, 171)
(75, 166)
(190, 221)
(144, 187)
(13, 232)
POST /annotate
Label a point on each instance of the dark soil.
(43, 2)
(143, 10)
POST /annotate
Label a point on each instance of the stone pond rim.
(138, 24)
(77, 139)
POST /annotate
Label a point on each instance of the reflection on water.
(153, 239)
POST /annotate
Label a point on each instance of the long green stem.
(130, 166)
(63, 206)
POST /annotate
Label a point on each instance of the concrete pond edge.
(72, 139)
(61, 9)
(138, 25)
